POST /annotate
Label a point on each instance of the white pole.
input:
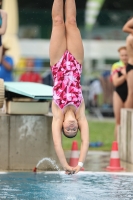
(92, 10)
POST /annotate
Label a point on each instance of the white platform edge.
(91, 173)
(80, 173)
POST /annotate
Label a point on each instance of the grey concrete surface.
(4, 142)
(25, 140)
(126, 136)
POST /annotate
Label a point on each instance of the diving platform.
(27, 98)
(35, 91)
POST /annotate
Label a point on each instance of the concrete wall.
(4, 142)
(126, 136)
(24, 141)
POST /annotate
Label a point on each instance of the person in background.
(107, 88)
(47, 78)
(6, 66)
(95, 89)
(118, 77)
(128, 28)
(30, 75)
(3, 26)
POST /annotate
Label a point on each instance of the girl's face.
(123, 56)
(70, 127)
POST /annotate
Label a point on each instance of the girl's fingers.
(70, 172)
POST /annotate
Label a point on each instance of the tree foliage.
(109, 4)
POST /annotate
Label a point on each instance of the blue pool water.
(58, 186)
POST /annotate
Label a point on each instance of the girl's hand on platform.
(76, 169)
(69, 170)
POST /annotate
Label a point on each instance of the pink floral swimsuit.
(66, 75)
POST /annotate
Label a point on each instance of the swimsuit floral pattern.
(66, 74)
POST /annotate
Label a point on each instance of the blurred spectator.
(6, 66)
(128, 28)
(21, 66)
(118, 77)
(107, 87)
(47, 78)
(38, 63)
(95, 90)
(30, 75)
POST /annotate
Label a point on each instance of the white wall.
(94, 49)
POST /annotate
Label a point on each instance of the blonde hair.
(121, 48)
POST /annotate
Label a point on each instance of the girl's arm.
(128, 27)
(4, 22)
(56, 131)
(84, 132)
(118, 80)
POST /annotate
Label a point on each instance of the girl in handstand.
(66, 58)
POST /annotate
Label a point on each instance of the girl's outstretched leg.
(58, 38)
(74, 41)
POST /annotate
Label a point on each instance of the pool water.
(58, 186)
